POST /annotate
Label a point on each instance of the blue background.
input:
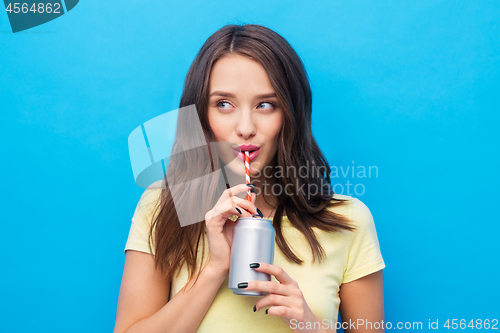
(408, 86)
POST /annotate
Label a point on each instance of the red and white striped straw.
(247, 174)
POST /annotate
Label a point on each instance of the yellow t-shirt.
(350, 255)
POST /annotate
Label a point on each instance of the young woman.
(251, 89)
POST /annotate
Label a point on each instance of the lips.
(252, 149)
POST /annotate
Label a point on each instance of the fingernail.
(251, 185)
(253, 190)
(260, 213)
(242, 285)
(254, 265)
(254, 308)
(267, 310)
(238, 210)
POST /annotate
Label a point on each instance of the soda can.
(253, 241)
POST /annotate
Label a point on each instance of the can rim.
(253, 219)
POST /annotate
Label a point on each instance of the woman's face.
(244, 110)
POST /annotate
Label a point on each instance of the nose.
(245, 128)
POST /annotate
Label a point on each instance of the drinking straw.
(247, 173)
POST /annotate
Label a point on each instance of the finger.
(247, 205)
(268, 286)
(228, 201)
(280, 311)
(254, 197)
(231, 197)
(273, 299)
(232, 212)
(239, 211)
(231, 192)
(278, 272)
(227, 208)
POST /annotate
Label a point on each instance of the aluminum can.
(253, 241)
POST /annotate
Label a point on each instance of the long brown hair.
(176, 245)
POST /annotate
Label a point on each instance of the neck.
(266, 201)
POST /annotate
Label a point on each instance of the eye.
(266, 106)
(224, 105)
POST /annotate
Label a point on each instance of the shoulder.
(152, 192)
(354, 209)
(149, 201)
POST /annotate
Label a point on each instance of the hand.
(285, 298)
(220, 233)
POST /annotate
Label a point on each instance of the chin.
(236, 167)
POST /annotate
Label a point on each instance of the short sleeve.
(141, 222)
(364, 255)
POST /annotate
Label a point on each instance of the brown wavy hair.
(176, 245)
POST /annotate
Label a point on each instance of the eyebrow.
(227, 94)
